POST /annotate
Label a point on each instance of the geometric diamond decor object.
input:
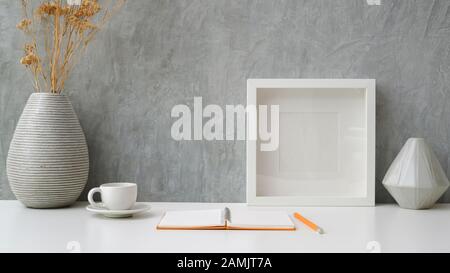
(416, 179)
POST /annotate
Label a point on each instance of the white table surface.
(387, 228)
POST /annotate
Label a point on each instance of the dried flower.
(29, 59)
(47, 9)
(88, 8)
(66, 27)
(29, 48)
(80, 24)
(23, 25)
(52, 8)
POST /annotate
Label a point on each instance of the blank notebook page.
(193, 218)
(260, 219)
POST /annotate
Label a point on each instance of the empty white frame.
(326, 152)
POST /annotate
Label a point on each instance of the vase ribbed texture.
(48, 161)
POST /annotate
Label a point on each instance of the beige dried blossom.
(29, 59)
(24, 24)
(80, 24)
(47, 8)
(64, 30)
(88, 8)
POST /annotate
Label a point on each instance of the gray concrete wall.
(156, 54)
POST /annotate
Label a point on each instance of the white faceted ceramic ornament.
(416, 179)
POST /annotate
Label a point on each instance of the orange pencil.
(308, 223)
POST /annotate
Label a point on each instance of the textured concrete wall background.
(156, 54)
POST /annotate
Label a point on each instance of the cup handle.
(91, 197)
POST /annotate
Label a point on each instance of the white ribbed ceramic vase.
(48, 161)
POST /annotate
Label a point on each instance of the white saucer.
(137, 208)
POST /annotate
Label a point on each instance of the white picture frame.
(334, 164)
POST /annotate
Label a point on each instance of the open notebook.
(226, 219)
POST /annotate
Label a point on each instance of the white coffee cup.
(115, 196)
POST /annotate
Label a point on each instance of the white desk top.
(347, 230)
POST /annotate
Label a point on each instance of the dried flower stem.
(64, 32)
